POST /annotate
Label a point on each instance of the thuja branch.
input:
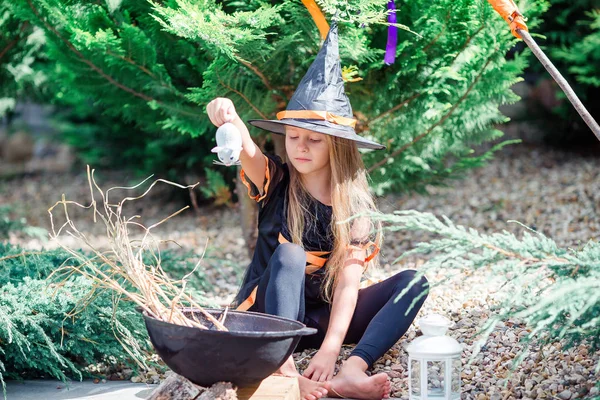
(22, 254)
(100, 72)
(416, 95)
(440, 122)
(440, 33)
(242, 96)
(262, 77)
(85, 60)
(467, 43)
(13, 42)
(147, 72)
(395, 108)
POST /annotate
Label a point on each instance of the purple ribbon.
(392, 41)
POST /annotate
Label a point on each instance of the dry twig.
(122, 268)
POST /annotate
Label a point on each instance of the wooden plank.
(273, 387)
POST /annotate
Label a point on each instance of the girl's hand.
(220, 111)
(321, 366)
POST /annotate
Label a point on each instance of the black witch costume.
(285, 279)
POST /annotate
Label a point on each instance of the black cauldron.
(255, 346)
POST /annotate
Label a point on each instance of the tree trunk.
(279, 141)
(247, 207)
(248, 215)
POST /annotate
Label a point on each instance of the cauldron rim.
(302, 330)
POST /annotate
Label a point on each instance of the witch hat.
(319, 103)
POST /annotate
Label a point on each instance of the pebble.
(529, 383)
(565, 394)
(556, 192)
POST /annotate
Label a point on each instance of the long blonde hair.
(350, 195)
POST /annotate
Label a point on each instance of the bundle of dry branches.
(122, 268)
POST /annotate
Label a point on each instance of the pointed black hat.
(319, 103)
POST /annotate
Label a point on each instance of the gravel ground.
(556, 193)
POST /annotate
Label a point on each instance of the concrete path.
(75, 390)
(86, 390)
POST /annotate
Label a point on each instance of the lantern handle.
(434, 324)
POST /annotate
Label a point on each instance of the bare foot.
(356, 384)
(312, 390)
(309, 390)
(288, 368)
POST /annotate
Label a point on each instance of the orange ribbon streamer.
(312, 114)
(511, 14)
(317, 16)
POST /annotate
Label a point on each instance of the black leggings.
(377, 324)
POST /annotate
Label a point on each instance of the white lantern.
(434, 361)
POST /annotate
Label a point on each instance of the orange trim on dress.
(249, 302)
(258, 197)
(372, 255)
(315, 261)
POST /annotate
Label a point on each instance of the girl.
(307, 265)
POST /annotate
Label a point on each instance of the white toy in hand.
(229, 145)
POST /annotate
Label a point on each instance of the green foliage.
(108, 142)
(571, 39)
(178, 264)
(150, 68)
(45, 330)
(19, 225)
(555, 291)
(20, 49)
(215, 187)
(17, 264)
(583, 56)
(106, 80)
(39, 337)
(219, 31)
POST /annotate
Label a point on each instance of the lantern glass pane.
(415, 377)
(435, 379)
(455, 386)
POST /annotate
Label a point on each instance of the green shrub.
(571, 39)
(178, 264)
(583, 55)
(555, 291)
(18, 225)
(40, 336)
(144, 71)
(16, 264)
(46, 332)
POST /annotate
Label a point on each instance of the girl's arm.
(222, 110)
(345, 295)
(252, 159)
(344, 300)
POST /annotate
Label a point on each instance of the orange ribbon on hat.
(317, 16)
(313, 114)
(511, 14)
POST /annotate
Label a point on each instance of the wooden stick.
(562, 82)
